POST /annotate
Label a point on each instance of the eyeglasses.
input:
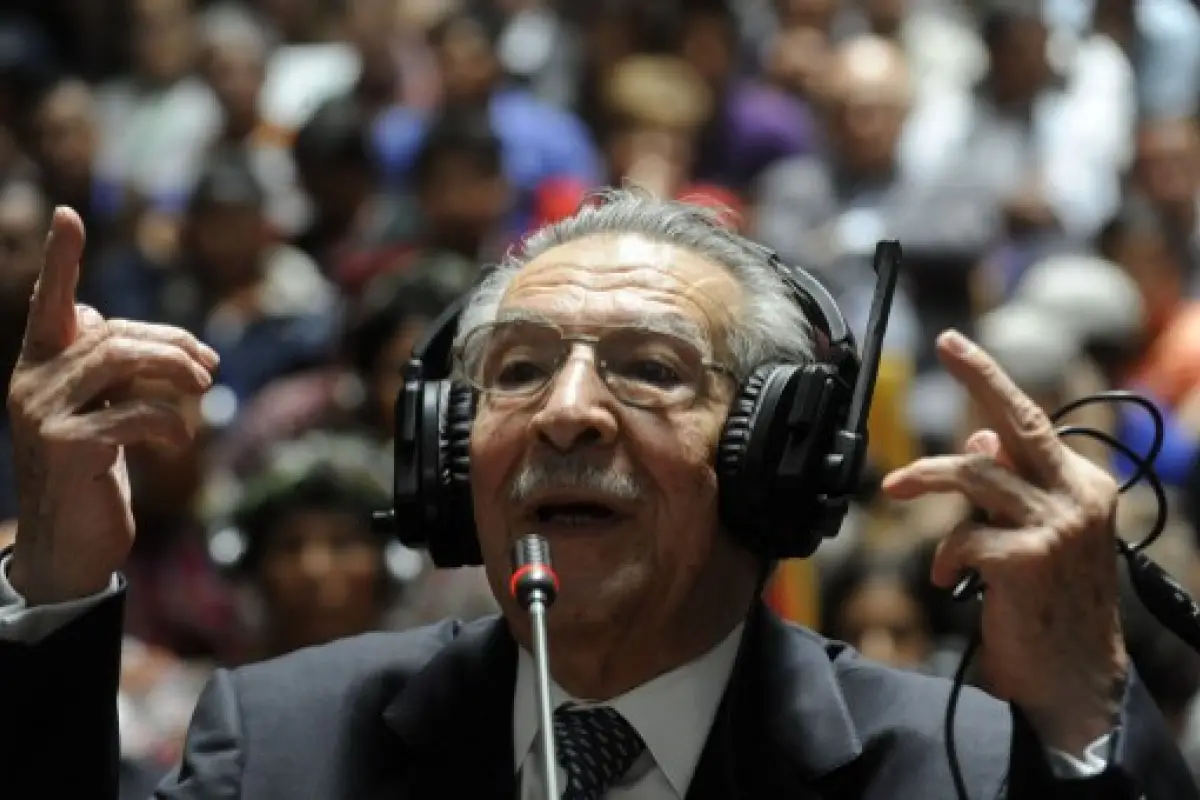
(642, 367)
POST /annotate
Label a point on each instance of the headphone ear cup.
(748, 458)
(458, 544)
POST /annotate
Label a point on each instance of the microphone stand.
(535, 586)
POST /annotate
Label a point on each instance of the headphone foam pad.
(740, 483)
(456, 436)
(735, 438)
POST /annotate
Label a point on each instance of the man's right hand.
(74, 410)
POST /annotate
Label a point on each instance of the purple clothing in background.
(540, 143)
(755, 126)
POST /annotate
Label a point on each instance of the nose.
(578, 410)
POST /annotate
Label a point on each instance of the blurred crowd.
(307, 184)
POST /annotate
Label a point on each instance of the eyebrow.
(662, 322)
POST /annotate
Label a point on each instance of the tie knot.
(596, 746)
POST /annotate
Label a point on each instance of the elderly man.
(658, 638)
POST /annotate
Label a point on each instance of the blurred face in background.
(467, 63)
(293, 18)
(708, 44)
(1155, 267)
(371, 26)
(66, 125)
(1020, 67)
(815, 14)
(163, 39)
(321, 574)
(884, 622)
(462, 203)
(655, 156)
(236, 73)
(800, 60)
(1167, 169)
(226, 243)
(886, 16)
(23, 217)
(868, 103)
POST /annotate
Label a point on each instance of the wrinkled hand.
(1052, 641)
(73, 412)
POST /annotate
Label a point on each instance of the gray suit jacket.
(428, 714)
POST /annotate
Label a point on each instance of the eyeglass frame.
(672, 326)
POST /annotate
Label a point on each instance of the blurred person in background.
(67, 140)
(1023, 136)
(751, 124)
(463, 198)
(826, 212)
(1096, 302)
(610, 31)
(177, 601)
(358, 392)
(654, 110)
(798, 60)
(263, 305)
(1167, 173)
(296, 534)
(156, 122)
(25, 61)
(1169, 365)
(540, 142)
(540, 49)
(1162, 42)
(24, 214)
(873, 602)
(235, 55)
(358, 227)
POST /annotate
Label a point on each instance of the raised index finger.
(51, 324)
(1025, 430)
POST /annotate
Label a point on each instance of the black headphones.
(787, 463)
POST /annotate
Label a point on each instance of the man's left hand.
(1052, 641)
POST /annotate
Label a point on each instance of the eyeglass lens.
(640, 366)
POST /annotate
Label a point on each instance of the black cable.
(1156, 590)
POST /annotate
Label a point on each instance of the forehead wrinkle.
(720, 310)
(662, 321)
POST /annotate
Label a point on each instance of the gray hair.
(772, 329)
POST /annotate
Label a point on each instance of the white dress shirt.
(673, 713)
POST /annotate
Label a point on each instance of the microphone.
(535, 586)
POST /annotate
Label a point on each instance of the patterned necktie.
(596, 746)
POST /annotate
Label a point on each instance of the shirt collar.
(673, 713)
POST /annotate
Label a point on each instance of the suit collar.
(783, 729)
(783, 722)
(458, 709)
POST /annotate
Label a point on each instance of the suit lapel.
(783, 729)
(455, 718)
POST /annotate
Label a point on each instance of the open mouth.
(575, 513)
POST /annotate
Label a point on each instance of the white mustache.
(572, 472)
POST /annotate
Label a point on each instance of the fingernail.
(211, 359)
(955, 342)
